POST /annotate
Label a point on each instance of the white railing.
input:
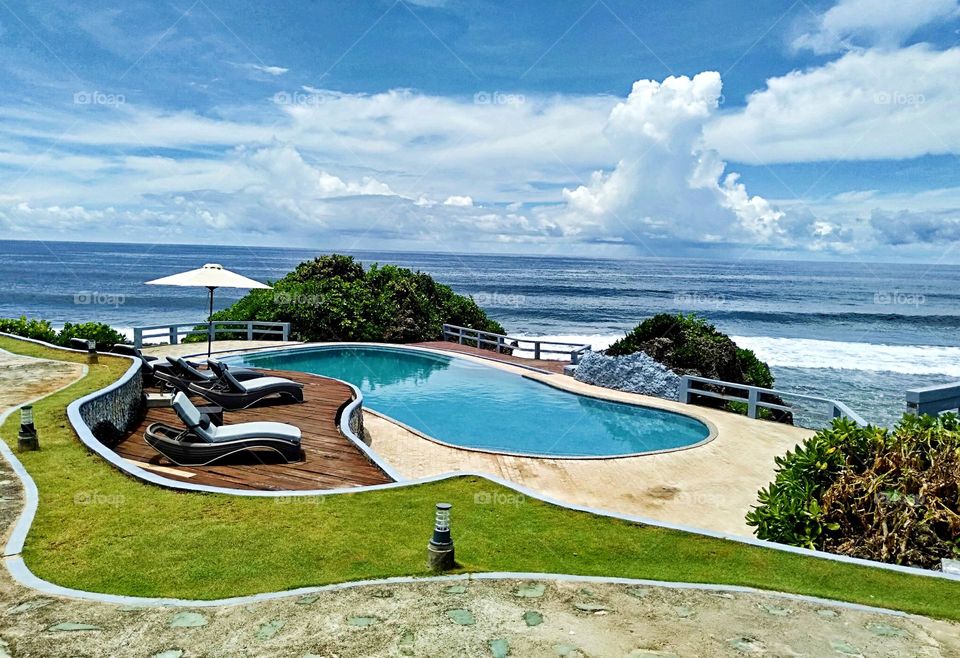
(933, 399)
(502, 342)
(753, 397)
(172, 333)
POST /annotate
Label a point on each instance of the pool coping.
(710, 426)
(20, 572)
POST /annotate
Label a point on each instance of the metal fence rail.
(933, 399)
(172, 333)
(753, 396)
(466, 335)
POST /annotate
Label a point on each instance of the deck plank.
(330, 460)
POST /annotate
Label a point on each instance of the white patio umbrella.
(210, 276)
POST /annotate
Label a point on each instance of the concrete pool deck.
(710, 486)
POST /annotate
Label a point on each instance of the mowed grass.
(99, 530)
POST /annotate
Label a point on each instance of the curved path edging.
(22, 574)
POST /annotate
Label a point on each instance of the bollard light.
(440, 555)
(27, 436)
(92, 352)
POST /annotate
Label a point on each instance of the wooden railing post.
(753, 396)
(174, 338)
(286, 331)
(536, 350)
(684, 393)
(250, 330)
(137, 337)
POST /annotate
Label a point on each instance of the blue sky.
(802, 129)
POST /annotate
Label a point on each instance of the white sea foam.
(811, 353)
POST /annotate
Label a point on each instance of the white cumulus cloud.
(666, 182)
(865, 23)
(865, 105)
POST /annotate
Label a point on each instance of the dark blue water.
(860, 332)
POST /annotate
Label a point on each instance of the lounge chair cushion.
(256, 430)
(263, 382)
(188, 413)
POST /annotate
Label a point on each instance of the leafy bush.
(332, 298)
(35, 329)
(690, 345)
(105, 335)
(869, 492)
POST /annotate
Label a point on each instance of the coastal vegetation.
(332, 298)
(97, 529)
(870, 492)
(690, 345)
(43, 330)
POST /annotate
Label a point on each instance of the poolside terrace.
(711, 486)
(330, 460)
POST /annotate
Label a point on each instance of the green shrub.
(35, 329)
(104, 334)
(690, 345)
(332, 298)
(869, 492)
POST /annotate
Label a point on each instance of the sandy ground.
(23, 378)
(476, 618)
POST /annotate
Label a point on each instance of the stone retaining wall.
(111, 415)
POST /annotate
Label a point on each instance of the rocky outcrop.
(635, 373)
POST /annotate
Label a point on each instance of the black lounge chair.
(231, 393)
(178, 374)
(191, 371)
(150, 366)
(203, 443)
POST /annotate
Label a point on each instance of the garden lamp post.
(440, 549)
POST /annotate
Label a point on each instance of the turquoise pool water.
(477, 406)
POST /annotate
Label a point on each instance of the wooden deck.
(543, 364)
(330, 460)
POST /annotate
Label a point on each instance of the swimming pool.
(479, 407)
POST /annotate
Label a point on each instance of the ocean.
(859, 332)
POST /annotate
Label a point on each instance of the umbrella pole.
(210, 323)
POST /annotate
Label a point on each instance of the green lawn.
(97, 529)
